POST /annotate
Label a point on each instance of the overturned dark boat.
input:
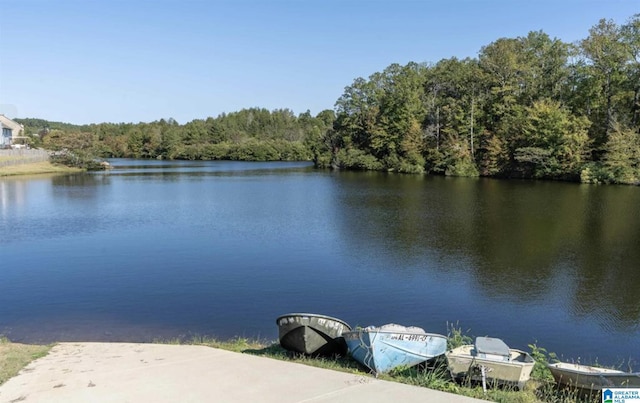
(311, 334)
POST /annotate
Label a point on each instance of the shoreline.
(36, 168)
(81, 372)
(433, 380)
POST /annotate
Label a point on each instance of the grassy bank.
(36, 168)
(540, 389)
(15, 356)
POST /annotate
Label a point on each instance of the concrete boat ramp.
(130, 372)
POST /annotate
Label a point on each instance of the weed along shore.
(430, 378)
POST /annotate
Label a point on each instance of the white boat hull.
(592, 378)
(464, 364)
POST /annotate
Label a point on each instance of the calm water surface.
(157, 249)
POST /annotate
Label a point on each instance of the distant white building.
(11, 131)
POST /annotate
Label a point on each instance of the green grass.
(237, 344)
(36, 168)
(435, 375)
(15, 356)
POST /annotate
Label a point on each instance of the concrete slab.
(129, 372)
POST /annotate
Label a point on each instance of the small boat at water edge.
(500, 364)
(312, 334)
(592, 378)
(384, 348)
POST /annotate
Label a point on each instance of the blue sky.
(90, 61)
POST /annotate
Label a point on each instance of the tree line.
(529, 107)
(254, 134)
(526, 107)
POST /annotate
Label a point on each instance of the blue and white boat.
(384, 348)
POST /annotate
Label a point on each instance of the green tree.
(606, 57)
(357, 112)
(550, 142)
(455, 95)
(621, 162)
(195, 132)
(545, 73)
(169, 141)
(630, 35)
(319, 138)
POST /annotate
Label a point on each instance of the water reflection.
(521, 241)
(80, 187)
(221, 249)
(90, 180)
(610, 256)
(13, 196)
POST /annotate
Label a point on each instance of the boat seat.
(491, 348)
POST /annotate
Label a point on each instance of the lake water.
(164, 249)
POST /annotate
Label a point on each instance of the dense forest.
(526, 107)
(251, 134)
